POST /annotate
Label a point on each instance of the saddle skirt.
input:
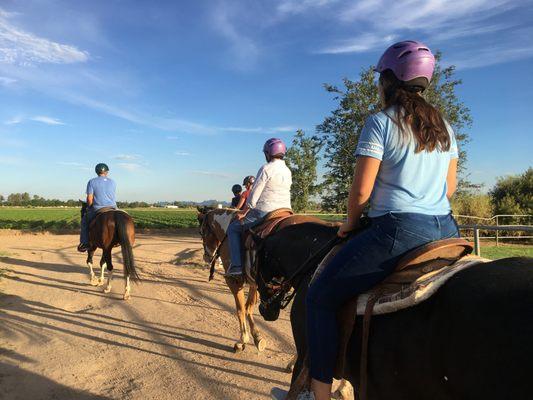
(104, 210)
(418, 275)
(270, 224)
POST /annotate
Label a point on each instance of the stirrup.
(82, 247)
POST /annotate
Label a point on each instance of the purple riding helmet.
(408, 60)
(274, 147)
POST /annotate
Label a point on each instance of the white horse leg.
(127, 288)
(101, 279)
(109, 278)
(290, 365)
(344, 390)
(94, 281)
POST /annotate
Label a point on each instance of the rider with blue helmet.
(101, 192)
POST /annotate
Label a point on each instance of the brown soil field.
(61, 338)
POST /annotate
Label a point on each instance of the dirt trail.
(61, 338)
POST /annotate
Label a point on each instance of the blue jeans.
(85, 223)
(235, 230)
(366, 260)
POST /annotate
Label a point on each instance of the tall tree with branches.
(302, 159)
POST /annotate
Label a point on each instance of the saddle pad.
(420, 290)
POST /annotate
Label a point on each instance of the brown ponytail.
(413, 111)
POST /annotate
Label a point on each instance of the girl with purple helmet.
(271, 191)
(406, 172)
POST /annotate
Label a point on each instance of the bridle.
(214, 255)
(280, 289)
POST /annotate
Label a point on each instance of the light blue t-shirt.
(406, 181)
(103, 189)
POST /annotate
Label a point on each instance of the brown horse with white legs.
(110, 229)
(213, 226)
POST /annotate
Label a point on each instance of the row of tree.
(337, 136)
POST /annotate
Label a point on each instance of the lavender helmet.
(408, 60)
(274, 147)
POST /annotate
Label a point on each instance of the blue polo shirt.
(406, 181)
(104, 191)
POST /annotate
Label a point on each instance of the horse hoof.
(289, 368)
(126, 296)
(107, 289)
(94, 282)
(238, 347)
(100, 281)
(260, 343)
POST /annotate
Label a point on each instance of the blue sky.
(178, 96)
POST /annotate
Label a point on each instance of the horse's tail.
(121, 223)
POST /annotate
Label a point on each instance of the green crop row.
(57, 219)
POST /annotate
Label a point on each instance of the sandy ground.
(61, 338)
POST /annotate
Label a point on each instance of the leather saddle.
(102, 211)
(426, 259)
(270, 224)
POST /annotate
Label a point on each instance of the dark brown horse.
(110, 229)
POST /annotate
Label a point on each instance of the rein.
(216, 253)
(214, 259)
(281, 289)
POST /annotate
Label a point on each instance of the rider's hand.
(239, 216)
(346, 228)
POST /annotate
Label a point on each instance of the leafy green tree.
(302, 159)
(514, 194)
(2, 198)
(357, 100)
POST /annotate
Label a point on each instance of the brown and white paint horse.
(110, 229)
(213, 227)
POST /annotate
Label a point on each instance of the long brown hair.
(413, 111)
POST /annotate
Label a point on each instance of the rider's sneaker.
(82, 248)
(234, 271)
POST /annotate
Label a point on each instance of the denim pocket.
(405, 240)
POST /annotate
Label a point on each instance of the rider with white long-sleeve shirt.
(271, 191)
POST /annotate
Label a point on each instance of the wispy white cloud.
(359, 44)
(172, 137)
(131, 167)
(10, 160)
(213, 174)
(20, 47)
(47, 120)
(74, 165)
(244, 51)
(300, 6)
(38, 118)
(13, 120)
(491, 56)
(7, 81)
(127, 157)
(182, 153)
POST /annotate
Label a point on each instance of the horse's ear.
(201, 209)
(82, 202)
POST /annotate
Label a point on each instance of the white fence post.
(477, 248)
(497, 232)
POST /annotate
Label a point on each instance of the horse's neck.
(221, 221)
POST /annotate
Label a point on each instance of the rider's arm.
(366, 170)
(90, 193)
(257, 189)
(241, 202)
(451, 178)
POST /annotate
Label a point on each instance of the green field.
(506, 250)
(67, 219)
(61, 219)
